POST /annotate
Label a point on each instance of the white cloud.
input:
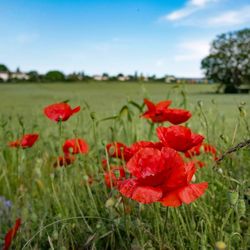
(190, 7)
(232, 17)
(192, 50)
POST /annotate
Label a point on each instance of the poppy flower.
(64, 160)
(60, 111)
(75, 146)
(156, 112)
(161, 112)
(27, 141)
(179, 138)
(11, 234)
(116, 150)
(160, 176)
(113, 176)
(177, 116)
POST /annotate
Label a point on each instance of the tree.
(54, 76)
(34, 76)
(229, 60)
(3, 68)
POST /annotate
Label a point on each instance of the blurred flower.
(75, 146)
(64, 160)
(11, 234)
(160, 113)
(220, 245)
(116, 150)
(113, 176)
(60, 111)
(27, 141)
(156, 112)
(179, 138)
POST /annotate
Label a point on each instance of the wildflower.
(161, 112)
(179, 138)
(65, 160)
(11, 234)
(75, 146)
(177, 116)
(116, 150)
(156, 112)
(112, 177)
(60, 111)
(120, 150)
(160, 176)
(27, 141)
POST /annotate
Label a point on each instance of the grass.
(60, 209)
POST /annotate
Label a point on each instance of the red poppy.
(156, 112)
(160, 176)
(75, 146)
(121, 151)
(104, 164)
(177, 116)
(11, 234)
(64, 160)
(179, 138)
(27, 141)
(113, 176)
(116, 150)
(161, 112)
(60, 111)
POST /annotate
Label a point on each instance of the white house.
(20, 76)
(4, 76)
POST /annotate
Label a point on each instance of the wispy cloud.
(192, 50)
(232, 17)
(189, 8)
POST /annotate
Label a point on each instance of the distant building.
(170, 79)
(123, 78)
(20, 76)
(100, 77)
(4, 76)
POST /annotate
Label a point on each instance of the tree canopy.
(229, 60)
(3, 68)
(55, 76)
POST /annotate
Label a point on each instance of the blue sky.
(151, 36)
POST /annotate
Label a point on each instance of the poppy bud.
(233, 197)
(55, 235)
(220, 245)
(241, 207)
(193, 178)
(110, 202)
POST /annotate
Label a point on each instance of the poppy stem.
(233, 149)
(60, 128)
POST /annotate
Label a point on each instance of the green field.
(61, 210)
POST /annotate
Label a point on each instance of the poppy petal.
(171, 200)
(177, 116)
(191, 192)
(147, 194)
(146, 162)
(11, 234)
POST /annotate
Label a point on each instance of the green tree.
(3, 68)
(229, 60)
(55, 76)
(34, 76)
